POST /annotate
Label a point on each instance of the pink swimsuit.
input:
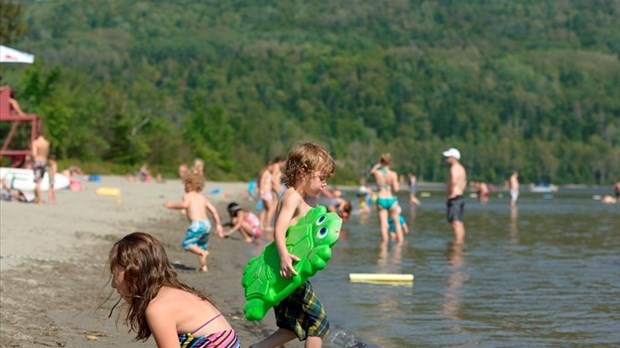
(252, 220)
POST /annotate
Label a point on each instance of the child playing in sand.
(301, 314)
(159, 304)
(194, 203)
(246, 222)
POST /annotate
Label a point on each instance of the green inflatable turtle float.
(310, 239)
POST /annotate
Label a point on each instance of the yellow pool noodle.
(381, 277)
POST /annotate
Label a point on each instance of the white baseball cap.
(452, 152)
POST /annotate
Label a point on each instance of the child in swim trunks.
(392, 227)
(301, 314)
(196, 206)
(161, 305)
(246, 222)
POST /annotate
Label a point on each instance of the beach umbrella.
(11, 55)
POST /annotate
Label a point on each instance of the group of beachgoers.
(174, 313)
(288, 188)
(177, 315)
(393, 225)
(162, 306)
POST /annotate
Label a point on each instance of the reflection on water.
(453, 301)
(411, 222)
(514, 229)
(389, 254)
(363, 218)
(545, 274)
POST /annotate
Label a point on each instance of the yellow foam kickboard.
(110, 191)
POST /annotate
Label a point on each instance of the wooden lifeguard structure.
(17, 131)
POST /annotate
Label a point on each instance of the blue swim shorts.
(197, 234)
(392, 227)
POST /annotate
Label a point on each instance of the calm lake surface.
(544, 274)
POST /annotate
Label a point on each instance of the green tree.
(12, 28)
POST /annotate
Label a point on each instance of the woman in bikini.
(387, 203)
(159, 304)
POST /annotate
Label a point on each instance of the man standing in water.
(40, 150)
(457, 180)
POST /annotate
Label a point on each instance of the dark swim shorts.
(456, 208)
(39, 168)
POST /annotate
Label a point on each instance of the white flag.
(10, 55)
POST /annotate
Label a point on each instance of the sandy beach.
(52, 265)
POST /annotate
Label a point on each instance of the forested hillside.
(527, 85)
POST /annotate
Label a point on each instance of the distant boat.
(543, 188)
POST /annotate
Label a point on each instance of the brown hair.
(385, 159)
(305, 158)
(143, 259)
(347, 207)
(194, 182)
(278, 159)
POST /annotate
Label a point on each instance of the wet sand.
(52, 265)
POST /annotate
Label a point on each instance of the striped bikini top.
(221, 339)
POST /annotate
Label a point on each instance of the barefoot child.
(194, 203)
(301, 314)
(246, 222)
(159, 304)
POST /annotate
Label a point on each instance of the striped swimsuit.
(222, 339)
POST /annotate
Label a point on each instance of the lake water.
(545, 274)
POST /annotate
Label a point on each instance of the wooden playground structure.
(16, 131)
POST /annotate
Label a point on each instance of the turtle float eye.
(321, 220)
(322, 232)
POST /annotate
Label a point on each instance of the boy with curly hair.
(301, 314)
(196, 206)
